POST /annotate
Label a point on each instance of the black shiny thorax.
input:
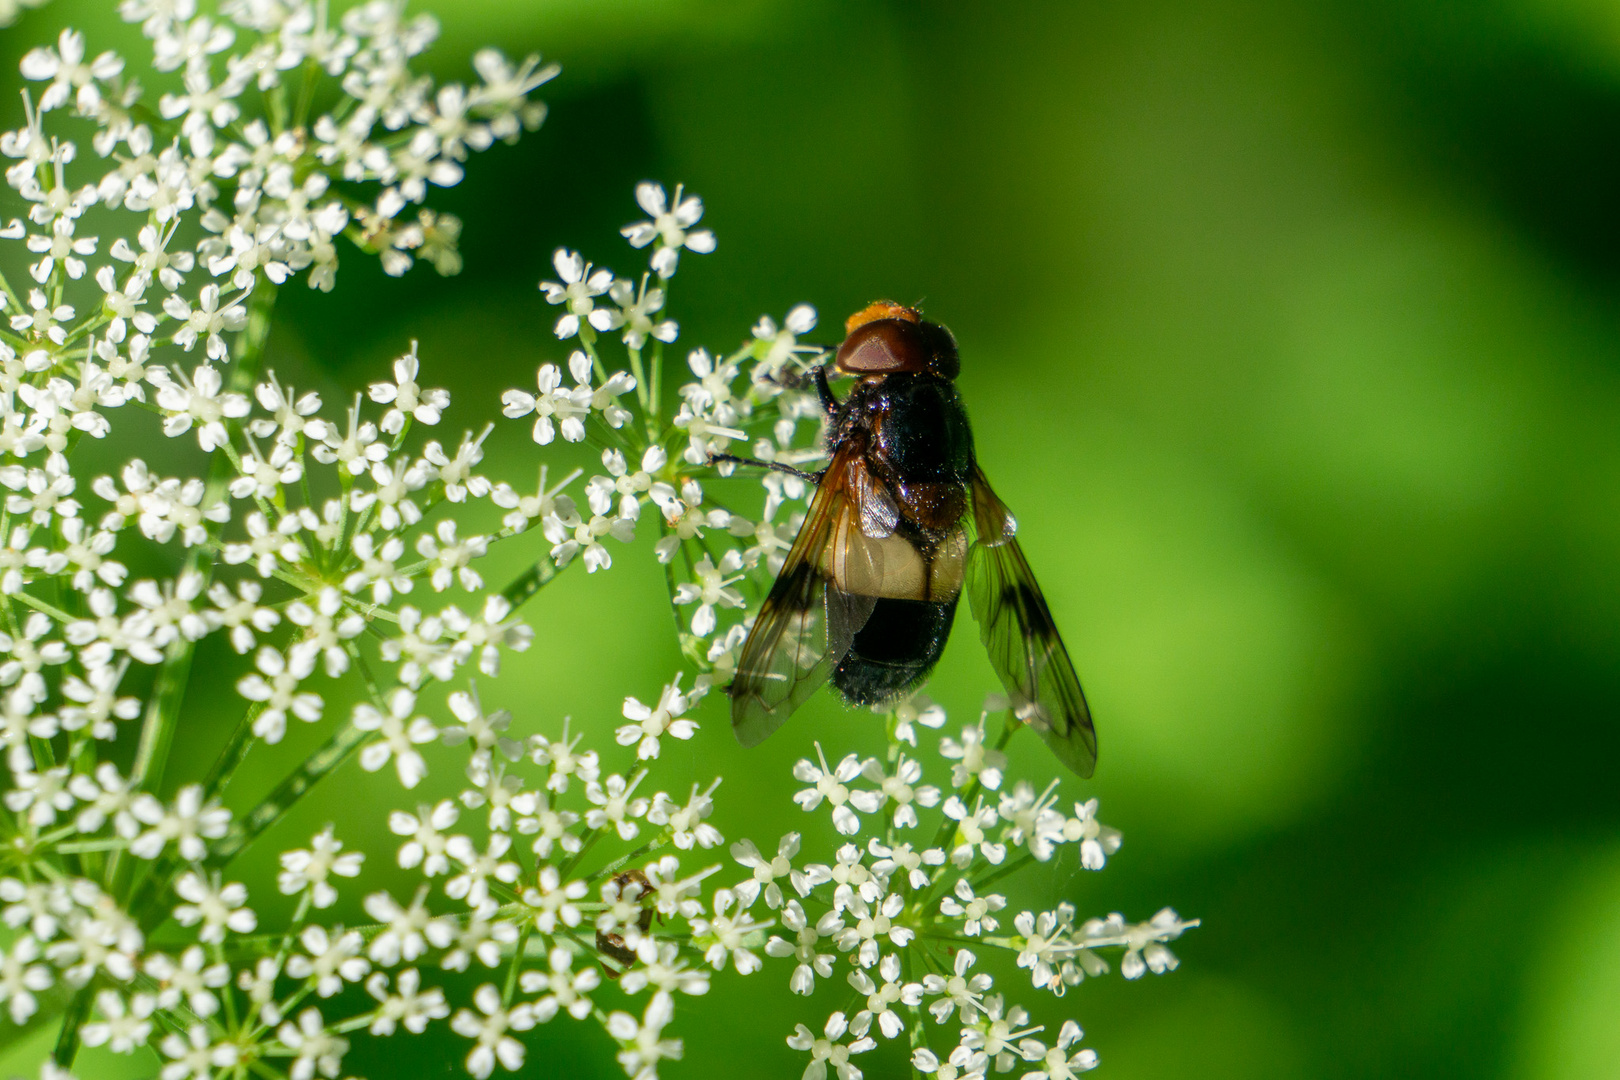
(911, 427)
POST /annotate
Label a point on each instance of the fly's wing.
(807, 623)
(1021, 638)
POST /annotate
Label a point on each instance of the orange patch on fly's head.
(880, 309)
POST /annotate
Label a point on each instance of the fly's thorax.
(919, 431)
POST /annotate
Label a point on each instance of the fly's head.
(889, 339)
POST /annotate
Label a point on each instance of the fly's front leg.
(824, 391)
(774, 466)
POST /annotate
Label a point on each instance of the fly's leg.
(824, 391)
(774, 466)
(795, 380)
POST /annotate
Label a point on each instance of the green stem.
(1002, 871)
(234, 752)
(537, 577)
(163, 709)
(78, 1011)
(288, 792)
(517, 962)
(61, 617)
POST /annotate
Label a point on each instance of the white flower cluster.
(912, 911)
(320, 547)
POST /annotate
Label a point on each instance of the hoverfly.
(902, 519)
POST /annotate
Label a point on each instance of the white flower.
(615, 805)
(194, 1057)
(554, 902)
(21, 978)
(198, 402)
(881, 999)
(972, 832)
(407, 398)
(726, 935)
(961, 1063)
(974, 760)
(959, 991)
(329, 959)
(378, 568)
(42, 322)
(775, 347)
(326, 627)
(262, 477)
(291, 415)
(642, 1045)
(407, 931)
(456, 472)
(450, 557)
(1057, 1063)
(686, 825)
(831, 785)
(902, 788)
(356, 451)
(904, 857)
(1002, 1039)
(41, 794)
(72, 78)
(1044, 945)
(192, 980)
(398, 736)
(637, 308)
(316, 1050)
(711, 590)
(650, 723)
(561, 759)
(218, 908)
(973, 909)
(313, 869)
(408, 1005)
(206, 320)
(766, 871)
(555, 408)
(872, 924)
(425, 828)
(265, 546)
(671, 226)
(807, 936)
(275, 685)
(1097, 841)
(123, 1026)
(188, 824)
(478, 867)
(916, 709)
(490, 1029)
(47, 496)
(242, 614)
(829, 1050)
(578, 290)
(848, 873)
(1145, 949)
(526, 509)
(565, 990)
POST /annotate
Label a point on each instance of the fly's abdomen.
(896, 649)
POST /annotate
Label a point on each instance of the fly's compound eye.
(885, 347)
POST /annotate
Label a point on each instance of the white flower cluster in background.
(329, 557)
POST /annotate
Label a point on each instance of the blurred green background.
(1290, 332)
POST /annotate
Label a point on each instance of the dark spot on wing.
(1037, 619)
(792, 591)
